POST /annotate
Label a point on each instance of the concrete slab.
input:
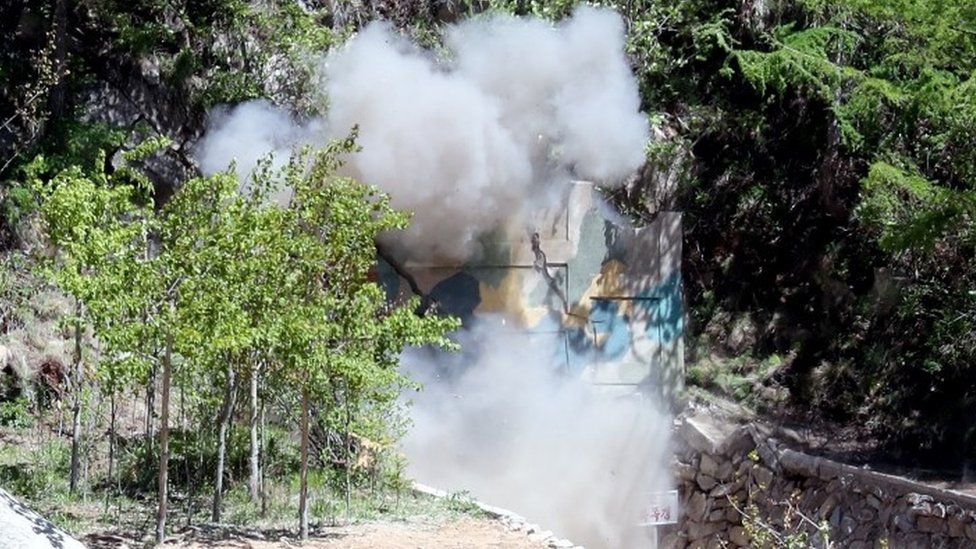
(22, 528)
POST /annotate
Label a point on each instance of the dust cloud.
(483, 132)
(466, 138)
(504, 422)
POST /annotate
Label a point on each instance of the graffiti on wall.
(612, 293)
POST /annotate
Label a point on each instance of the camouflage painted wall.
(611, 294)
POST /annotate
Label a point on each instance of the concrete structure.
(22, 528)
(610, 293)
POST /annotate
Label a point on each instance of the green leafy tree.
(336, 331)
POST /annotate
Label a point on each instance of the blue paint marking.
(660, 307)
(658, 311)
(610, 326)
(667, 310)
(458, 295)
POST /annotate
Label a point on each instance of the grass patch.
(37, 473)
(742, 378)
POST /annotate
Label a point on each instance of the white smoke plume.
(481, 134)
(245, 134)
(510, 428)
(468, 139)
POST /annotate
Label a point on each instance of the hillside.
(821, 153)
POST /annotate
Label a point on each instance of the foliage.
(226, 277)
(824, 163)
(822, 155)
(28, 81)
(37, 473)
(821, 151)
(282, 64)
(16, 413)
(900, 91)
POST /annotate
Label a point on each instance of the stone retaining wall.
(739, 487)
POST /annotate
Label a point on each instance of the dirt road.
(464, 532)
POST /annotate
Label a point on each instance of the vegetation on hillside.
(822, 154)
(821, 150)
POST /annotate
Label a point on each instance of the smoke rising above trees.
(465, 138)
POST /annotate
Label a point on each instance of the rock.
(733, 516)
(684, 471)
(874, 502)
(847, 526)
(742, 334)
(814, 497)
(738, 536)
(739, 443)
(866, 514)
(675, 540)
(744, 468)
(762, 476)
(767, 453)
(971, 531)
(540, 536)
(921, 508)
(708, 465)
(706, 434)
(903, 524)
(705, 482)
(722, 490)
(863, 532)
(930, 524)
(800, 463)
(715, 542)
(697, 506)
(956, 526)
(560, 543)
(724, 472)
(885, 515)
(915, 499)
(701, 530)
(835, 518)
(827, 506)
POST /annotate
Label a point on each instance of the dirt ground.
(463, 532)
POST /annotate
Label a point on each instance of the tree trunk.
(225, 414)
(303, 490)
(164, 441)
(111, 438)
(255, 481)
(76, 408)
(89, 451)
(191, 486)
(151, 407)
(349, 461)
(264, 444)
